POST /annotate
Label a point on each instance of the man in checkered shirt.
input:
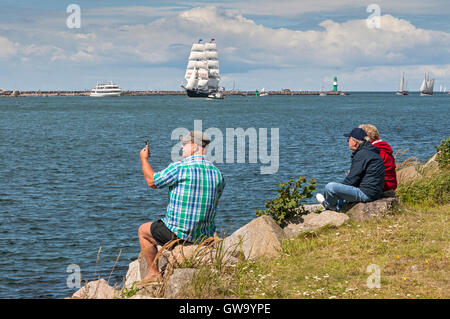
(195, 186)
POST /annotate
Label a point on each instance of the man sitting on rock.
(365, 179)
(195, 186)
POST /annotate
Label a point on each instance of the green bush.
(289, 200)
(443, 157)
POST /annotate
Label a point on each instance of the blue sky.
(299, 45)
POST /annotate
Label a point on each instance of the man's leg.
(337, 191)
(148, 249)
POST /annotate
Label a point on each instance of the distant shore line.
(151, 93)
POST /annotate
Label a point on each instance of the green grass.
(431, 190)
(410, 246)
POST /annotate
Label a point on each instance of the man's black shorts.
(161, 233)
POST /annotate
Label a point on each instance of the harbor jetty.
(151, 93)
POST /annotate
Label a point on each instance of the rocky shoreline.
(260, 238)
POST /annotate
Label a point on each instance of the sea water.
(71, 179)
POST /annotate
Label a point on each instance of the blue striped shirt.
(195, 186)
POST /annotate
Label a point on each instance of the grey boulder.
(98, 289)
(179, 279)
(260, 237)
(378, 208)
(312, 221)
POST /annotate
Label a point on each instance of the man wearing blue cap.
(364, 181)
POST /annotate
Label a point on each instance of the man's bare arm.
(147, 170)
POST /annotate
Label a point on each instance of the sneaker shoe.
(320, 198)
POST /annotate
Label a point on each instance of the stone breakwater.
(86, 93)
(158, 93)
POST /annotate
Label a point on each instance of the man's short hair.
(371, 131)
(358, 141)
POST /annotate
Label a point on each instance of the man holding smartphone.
(195, 186)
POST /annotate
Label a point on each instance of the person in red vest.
(390, 176)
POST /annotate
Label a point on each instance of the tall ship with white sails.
(202, 72)
(402, 90)
(427, 86)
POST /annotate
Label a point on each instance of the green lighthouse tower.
(335, 84)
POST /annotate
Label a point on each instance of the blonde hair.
(371, 131)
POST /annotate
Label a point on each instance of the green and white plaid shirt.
(195, 186)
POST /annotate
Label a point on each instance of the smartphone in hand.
(146, 144)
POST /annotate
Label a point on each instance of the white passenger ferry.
(102, 90)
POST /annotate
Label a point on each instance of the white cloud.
(7, 48)
(245, 42)
(244, 45)
(294, 8)
(131, 11)
(338, 44)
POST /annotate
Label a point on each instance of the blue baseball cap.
(357, 133)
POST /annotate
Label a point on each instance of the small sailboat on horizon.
(322, 93)
(263, 92)
(219, 95)
(426, 89)
(403, 88)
